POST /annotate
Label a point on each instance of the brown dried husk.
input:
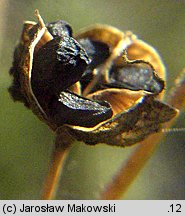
(136, 114)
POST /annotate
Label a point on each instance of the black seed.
(59, 28)
(135, 77)
(58, 64)
(98, 52)
(75, 110)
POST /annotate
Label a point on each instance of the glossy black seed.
(58, 64)
(59, 28)
(135, 77)
(98, 52)
(75, 110)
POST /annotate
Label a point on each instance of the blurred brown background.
(26, 143)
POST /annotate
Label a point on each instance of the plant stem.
(62, 146)
(53, 177)
(129, 171)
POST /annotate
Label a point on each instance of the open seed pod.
(100, 87)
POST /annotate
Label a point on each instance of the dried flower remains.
(101, 85)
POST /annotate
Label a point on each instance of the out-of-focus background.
(26, 143)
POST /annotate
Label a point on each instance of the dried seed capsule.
(45, 71)
(15, 89)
